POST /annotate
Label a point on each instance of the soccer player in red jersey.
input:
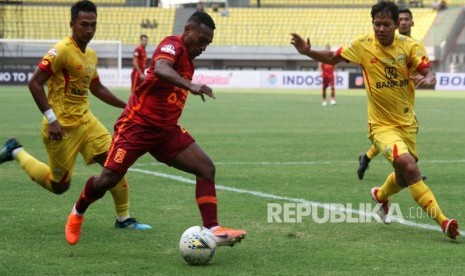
(149, 123)
(327, 74)
(387, 60)
(139, 62)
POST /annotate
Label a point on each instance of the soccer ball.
(197, 245)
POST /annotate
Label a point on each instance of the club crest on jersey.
(401, 59)
(52, 52)
(168, 49)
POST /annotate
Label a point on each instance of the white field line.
(326, 206)
(296, 163)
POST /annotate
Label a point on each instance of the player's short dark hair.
(143, 36)
(406, 10)
(84, 6)
(385, 7)
(201, 17)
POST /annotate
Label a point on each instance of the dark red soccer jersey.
(328, 70)
(156, 102)
(141, 56)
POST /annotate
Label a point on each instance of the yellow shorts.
(393, 141)
(89, 139)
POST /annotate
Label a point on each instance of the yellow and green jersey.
(71, 72)
(386, 70)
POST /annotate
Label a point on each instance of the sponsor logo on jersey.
(168, 49)
(52, 52)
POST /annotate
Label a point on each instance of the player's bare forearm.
(304, 47)
(426, 79)
(165, 71)
(36, 87)
(100, 91)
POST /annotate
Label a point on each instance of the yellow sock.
(120, 195)
(425, 198)
(389, 188)
(37, 171)
(372, 152)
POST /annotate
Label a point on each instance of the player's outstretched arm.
(305, 48)
(104, 94)
(164, 70)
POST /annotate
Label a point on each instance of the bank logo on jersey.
(168, 49)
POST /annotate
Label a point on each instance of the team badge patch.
(119, 156)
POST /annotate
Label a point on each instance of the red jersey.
(156, 102)
(141, 56)
(328, 70)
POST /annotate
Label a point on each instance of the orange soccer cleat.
(228, 236)
(73, 228)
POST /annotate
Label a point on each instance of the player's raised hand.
(201, 89)
(300, 44)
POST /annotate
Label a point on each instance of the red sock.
(205, 194)
(88, 196)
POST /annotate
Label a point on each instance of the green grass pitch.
(279, 143)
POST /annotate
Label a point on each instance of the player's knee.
(107, 180)
(60, 187)
(208, 171)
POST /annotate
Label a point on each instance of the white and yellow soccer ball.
(197, 245)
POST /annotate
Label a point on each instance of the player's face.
(84, 27)
(143, 41)
(197, 38)
(384, 27)
(405, 23)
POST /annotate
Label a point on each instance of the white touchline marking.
(297, 163)
(285, 198)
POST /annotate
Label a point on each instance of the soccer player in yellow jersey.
(386, 60)
(69, 127)
(405, 26)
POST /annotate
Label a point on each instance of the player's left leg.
(333, 92)
(399, 147)
(95, 147)
(194, 160)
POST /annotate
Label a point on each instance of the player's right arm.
(164, 70)
(305, 48)
(36, 86)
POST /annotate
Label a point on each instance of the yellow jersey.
(386, 70)
(71, 72)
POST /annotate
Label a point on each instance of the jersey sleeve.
(418, 58)
(169, 49)
(52, 60)
(136, 52)
(351, 52)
